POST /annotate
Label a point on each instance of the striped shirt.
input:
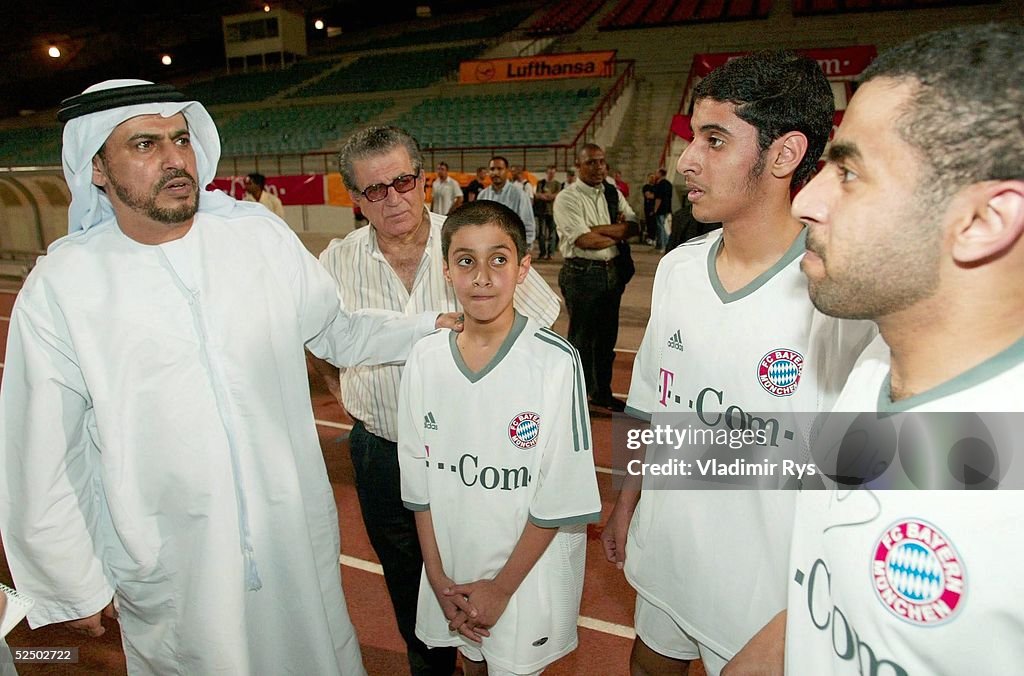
(515, 198)
(365, 279)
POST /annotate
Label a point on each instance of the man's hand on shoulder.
(450, 320)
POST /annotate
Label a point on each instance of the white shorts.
(663, 635)
(475, 655)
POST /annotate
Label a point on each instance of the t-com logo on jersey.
(779, 371)
(917, 573)
(524, 430)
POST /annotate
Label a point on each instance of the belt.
(589, 263)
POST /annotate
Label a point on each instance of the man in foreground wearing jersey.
(917, 223)
(730, 327)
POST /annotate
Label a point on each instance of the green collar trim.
(795, 250)
(986, 370)
(518, 324)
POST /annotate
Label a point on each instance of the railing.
(562, 156)
(604, 107)
(684, 102)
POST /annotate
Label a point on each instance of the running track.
(606, 614)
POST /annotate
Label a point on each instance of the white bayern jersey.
(720, 572)
(486, 452)
(897, 582)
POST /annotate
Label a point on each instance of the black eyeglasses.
(379, 191)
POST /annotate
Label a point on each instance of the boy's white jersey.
(486, 452)
(715, 560)
(893, 582)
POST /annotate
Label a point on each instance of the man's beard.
(146, 204)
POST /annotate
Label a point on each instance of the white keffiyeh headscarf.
(85, 135)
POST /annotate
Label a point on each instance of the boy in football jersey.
(496, 459)
(917, 223)
(730, 329)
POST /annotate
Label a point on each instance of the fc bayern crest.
(524, 430)
(779, 371)
(917, 573)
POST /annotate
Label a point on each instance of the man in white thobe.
(157, 441)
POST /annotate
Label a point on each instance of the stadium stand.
(521, 118)
(814, 7)
(648, 13)
(30, 146)
(387, 72)
(564, 17)
(294, 129)
(251, 87)
(484, 29)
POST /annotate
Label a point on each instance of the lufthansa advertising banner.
(540, 67)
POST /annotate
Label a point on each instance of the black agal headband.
(118, 97)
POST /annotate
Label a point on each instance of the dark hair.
(442, 163)
(776, 92)
(963, 117)
(372, 142)
(258, 179)
(662, 172)
(499, 157)
(485, 212)
(588, 148)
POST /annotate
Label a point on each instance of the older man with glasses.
(395, 264)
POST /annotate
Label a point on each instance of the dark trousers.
(546, 234)
(592, 295)
(392, 531)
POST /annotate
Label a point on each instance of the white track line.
(606, 627)
(585, 622)
(368, 566)
(335, 425)
(624, 350)
(5, 319)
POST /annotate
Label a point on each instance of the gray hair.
(372, 142)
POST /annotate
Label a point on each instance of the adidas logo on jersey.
(676, 341)
(428, 421)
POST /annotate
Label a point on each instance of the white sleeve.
(50, 497)
(567, 483)
(535, 299)
(525, 210)
(568, 214)
(642, 401)
(625, 209)
(643, 387)
(834, 347)
(364, 337)
(412, 452)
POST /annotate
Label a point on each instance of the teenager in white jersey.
(917, 223)
(496, 456)
(730, 326)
